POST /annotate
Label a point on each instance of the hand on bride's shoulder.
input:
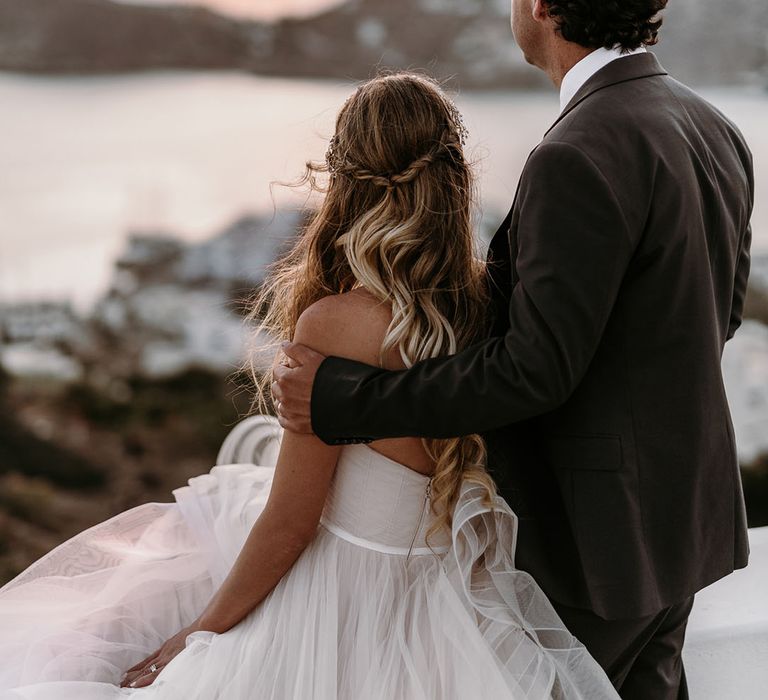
(350, 325)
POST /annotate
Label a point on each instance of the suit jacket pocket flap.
(600, 452)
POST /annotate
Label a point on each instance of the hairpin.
(458, 122)
(332, 157)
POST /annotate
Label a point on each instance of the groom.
(618, 275)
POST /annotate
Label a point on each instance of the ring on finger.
(153, 668)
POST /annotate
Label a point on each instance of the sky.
(259, 9)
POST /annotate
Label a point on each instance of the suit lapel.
(641, 65)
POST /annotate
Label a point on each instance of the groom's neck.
(560, 57)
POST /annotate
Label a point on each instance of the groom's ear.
(539, 10)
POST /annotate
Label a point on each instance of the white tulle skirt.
(345, 622)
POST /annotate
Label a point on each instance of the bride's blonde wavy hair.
(396, 220)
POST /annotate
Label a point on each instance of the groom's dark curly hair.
(607, 23)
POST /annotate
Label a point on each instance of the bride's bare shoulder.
(350, 325)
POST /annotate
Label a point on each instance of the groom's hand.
(292, 387)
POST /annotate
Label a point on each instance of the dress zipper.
(427, 493)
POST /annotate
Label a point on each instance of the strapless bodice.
(379, 503)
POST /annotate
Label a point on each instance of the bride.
(378, 571)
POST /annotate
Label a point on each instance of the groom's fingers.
(293, 412)
(280, 377)
(277, 392)
(286, 393)
(302, 354)
(292, 387)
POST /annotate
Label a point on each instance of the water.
(85, 159)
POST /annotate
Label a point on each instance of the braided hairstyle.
(411, 171)
(395, 219)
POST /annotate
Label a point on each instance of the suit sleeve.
(574, 246)
(743, 261)
(740, 284)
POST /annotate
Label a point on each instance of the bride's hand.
(145, 672)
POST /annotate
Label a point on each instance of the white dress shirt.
(586, 68)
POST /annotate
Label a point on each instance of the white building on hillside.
(173, 306)
(43, 339)
(745, 369)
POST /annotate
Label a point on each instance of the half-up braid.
(390, 181)
(396, 219)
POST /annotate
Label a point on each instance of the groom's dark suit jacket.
(618, 276)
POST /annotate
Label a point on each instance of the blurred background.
(138, 144)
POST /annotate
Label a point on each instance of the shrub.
(25, 453)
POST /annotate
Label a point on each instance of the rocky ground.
(71, 458)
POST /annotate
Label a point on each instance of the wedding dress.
(369, 611)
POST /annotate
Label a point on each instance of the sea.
(86, 160)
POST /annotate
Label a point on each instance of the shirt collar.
(587, 67)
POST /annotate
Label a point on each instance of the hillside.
(84, 36)
(469, 40)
